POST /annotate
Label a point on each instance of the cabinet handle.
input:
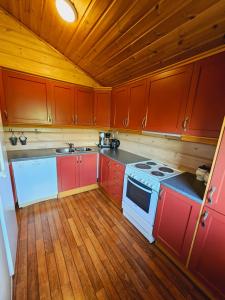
(77, 159)
(143, 123)
(76, 119)
(185, 123)
(204, 218)
(123, 123)
(94, 120)
(49, 119)
(211, 192)
(80, 159)
(6, 114)
(161, 193)
(127, 122)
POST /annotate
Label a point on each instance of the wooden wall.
(22, 50)
(52, 138)
(186, 156)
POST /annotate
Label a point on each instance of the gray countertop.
(122, 156)
(187, 185)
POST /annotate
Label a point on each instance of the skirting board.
(78, 190)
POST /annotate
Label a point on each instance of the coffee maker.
(104, 140)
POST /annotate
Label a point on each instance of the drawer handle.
(211, 192)
(6, 114)
(204, 218)
(185, 123)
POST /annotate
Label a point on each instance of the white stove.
(141, 193)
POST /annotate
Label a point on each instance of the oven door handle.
(140, 187)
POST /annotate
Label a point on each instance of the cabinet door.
(137, 104)
(104, 172)
(207, 258)
(84, 106)
(168, 99)
(102, 108)
(116, 179)
(216, 193)
(206, 106)
(27, 99)
(121, 106)
(68, 172)
(175, 222)
(88, 169)
(62, 103)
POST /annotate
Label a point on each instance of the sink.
(65, 150)
(83, 149)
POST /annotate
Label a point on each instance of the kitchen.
(112, 149)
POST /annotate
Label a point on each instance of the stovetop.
(152, 169)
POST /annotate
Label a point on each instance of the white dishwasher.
(35, 180)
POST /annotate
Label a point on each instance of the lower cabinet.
(76, 171)
(208, 256)
(111, 178)
(175, 222)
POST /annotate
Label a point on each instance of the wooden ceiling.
(117, 40)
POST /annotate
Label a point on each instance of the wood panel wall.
(186, 156)
(22, 50)
(51, 137)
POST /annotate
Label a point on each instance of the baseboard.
(78, 190)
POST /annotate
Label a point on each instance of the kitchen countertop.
(187, 185)
(122, 156)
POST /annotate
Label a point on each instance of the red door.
(68, 172)
(88, 169)
(102, 108)
(216, 193)
(104, 172)
(208, 255)
(206, 106)
(121, 106)
(175, 222)
(84, 106)
(27, 99)
(138, 93)
(62, 103)
(168, 99)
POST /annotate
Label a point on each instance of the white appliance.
(35, 180)
(8, 224)
(141, 192)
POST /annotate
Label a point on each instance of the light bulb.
(66, 10)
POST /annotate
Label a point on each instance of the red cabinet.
(138, 93)
(88, 169)
(168, 98)
(62, 103)
(76, 171)
(207, 259)
(206, 106)
(102, 108)
(27, 99)
(111, 178)
(120, 107)
(68, 172)
(175, 222)
(84, 106)
(216, 193)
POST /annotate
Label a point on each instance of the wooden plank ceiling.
(117, 40)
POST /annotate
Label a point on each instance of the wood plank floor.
(81, 247)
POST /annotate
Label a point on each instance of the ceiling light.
(66, 10)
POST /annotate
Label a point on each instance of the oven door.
(139, 194)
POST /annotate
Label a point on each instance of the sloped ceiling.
(117, 40)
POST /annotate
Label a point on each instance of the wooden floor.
(81, 247)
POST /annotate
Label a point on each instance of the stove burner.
(157, 173)
(151, 163)
(142, 166)
(167, 170)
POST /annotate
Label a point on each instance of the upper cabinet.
(62, 103)
(26, 100)
(102, 108)
(168, 98)
(84, 106)
(206, 105)
(120, 107)
(138, 93)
